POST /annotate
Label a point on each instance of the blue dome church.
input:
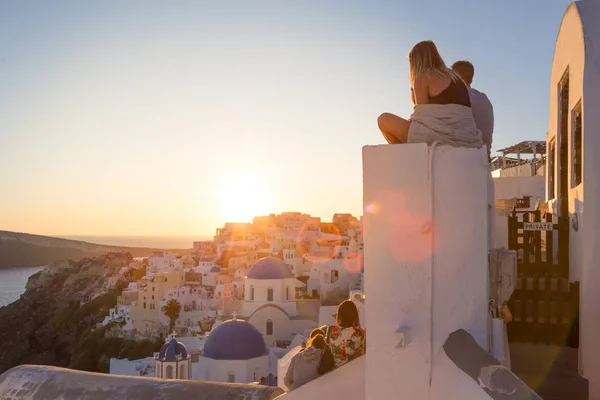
(270, 301)
(234, 351)
(173, 361)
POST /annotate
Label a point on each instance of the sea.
(13, 281)
(157, 242)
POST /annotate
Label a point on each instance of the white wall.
(283, 327)
(519, 186)
(577, 48)
(451, 383)
(346, 382)
(398, 225)
(216, 370)
(130, 367)
(348, 273)
(568, 53)
(261, 287)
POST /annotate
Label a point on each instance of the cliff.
(23, 249)
(55, 322)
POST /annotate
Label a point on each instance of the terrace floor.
(549, 370)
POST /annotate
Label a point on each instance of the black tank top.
(456, 93)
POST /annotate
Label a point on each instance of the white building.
(141, 367)
(572, 130)
(234, 351)
(196, 305)
(119, 314)
(270, 301)
(204, 265)
(294, 222)
(334, 277)
(162, 263)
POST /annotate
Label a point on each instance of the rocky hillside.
(23, 249)
(56, 323)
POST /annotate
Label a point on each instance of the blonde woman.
(442, 104)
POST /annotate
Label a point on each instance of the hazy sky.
(169, 118)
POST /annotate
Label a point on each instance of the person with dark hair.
(346, 338)
(483, 111)
(317, 331)
(313, 333)
(304, 366)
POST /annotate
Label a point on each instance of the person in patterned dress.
(346, 339)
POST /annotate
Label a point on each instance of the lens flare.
(316, 246)
(409, 227)
(353, 262)
(372, 208)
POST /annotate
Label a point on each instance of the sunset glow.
(242, 196)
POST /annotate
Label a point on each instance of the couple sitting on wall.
(329, 347)
(446, 109)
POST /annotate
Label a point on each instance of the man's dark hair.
(465, 69)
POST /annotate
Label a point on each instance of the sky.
(171, 118)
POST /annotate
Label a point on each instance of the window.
(335, 275)
(182, 372)
(153, 288)
(195, 358)
(269, 327)
(152, 297)
(287, 293)
(270, 294)
(169, 372)
(551, 169)
(144, 305)
(563, 145)
(230, 377)
(251, 292)
(577, 149)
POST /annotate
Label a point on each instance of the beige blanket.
(448, 124)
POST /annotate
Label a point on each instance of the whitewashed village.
(274, 277)
(460, 285)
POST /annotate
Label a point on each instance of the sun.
(243, 196)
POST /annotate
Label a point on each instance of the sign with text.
(538, 226)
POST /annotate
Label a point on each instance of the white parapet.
(426, 258)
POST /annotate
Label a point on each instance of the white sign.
(538, 226)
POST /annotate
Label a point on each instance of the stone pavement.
(549, 370)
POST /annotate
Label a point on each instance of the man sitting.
(483, 111)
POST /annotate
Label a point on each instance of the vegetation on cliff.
(56, 323)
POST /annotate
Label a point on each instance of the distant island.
(27, 250)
